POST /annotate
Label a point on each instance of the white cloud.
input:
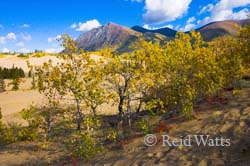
(204, 21)
(25, 25)
(26, 37)
(5, 50)
(136, 0)
(229, 4)
(189, 24)
(160, 11)
(242, 14)
(191, 19)
(86, 26)
(224, 10)
(188, 27)
(169, 26)
(73, 26)
(9, 36)
(206, 8)
(2, 40)
(52, 39)
(177, 27)
(20, 44)
(24, 50)
(146, 26)
(53, 50)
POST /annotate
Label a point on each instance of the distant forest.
(14, 72)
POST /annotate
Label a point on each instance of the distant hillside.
(164, 31)
(221, 28)
(115, 36)
(148, 36)
(109, 35)
(120, 37)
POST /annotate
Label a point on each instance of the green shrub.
(39, 54)
(30, 116)
(143, 124)
(15, 83)
(240, 84)
(29, 133)
(112, 135)
(6, 134)
(83, 146)
(43, 121)
(91, 123)
(23, 55)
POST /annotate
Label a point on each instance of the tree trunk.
(120, 106)
(2, 85)
(48, 129)
(94, 111)
(129, 110)
(48, 123)
(79, 115)
(139, 106)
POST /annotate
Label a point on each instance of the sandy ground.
(12, 102)
(231, 121)
(9, 60)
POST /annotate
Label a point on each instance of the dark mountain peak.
(136, 26)
(140, 29)
(164, 31)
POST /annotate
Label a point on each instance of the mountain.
(115, 36)
(221, 28)
(120, 37)
(164, 31)
(109, 35)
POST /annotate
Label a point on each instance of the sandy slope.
(231, 120)
(11, 102)
(9, 60)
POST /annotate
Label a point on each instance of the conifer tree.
(2, 85)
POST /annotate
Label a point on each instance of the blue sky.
(26, 25)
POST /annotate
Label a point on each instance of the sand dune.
(9, 60)
(12, 102)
